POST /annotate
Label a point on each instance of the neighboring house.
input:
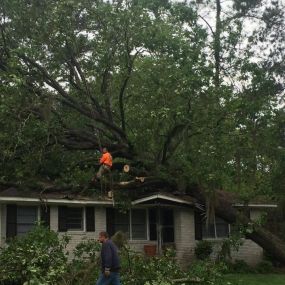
(158, 219)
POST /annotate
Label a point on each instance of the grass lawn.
(256, 279)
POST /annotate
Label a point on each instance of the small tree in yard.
(36, 258)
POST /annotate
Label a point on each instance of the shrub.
(149, 270)
(203, 249)
(87, 250)
(120, 239)
(239, 266)
(264, 266)
(232, 243)
(84, 268)
(208, 272)
(37, 258)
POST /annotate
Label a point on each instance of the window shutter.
(45, 215)
(90, 219)
(11, 226)
(198, 225)
(110, 219)
(62, 215)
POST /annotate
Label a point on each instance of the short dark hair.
(104, 234)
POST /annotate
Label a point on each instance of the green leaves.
(37, 258)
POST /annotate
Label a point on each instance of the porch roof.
(165, 198)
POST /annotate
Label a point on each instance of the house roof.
(260, 201)
(13, 195)
(66, 197)
(256, 205)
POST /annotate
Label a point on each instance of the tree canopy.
(154, 81)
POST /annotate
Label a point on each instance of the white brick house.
(159, 219)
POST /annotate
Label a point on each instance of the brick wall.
(185, 240)
(249, 252)
(184, 232)
(184, 235)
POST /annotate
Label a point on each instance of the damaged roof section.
(63, 197)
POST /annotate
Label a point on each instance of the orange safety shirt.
(106, 158)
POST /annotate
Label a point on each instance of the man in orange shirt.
(106, 162)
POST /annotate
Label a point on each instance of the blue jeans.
(113, 279)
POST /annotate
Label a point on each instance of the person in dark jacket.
(110, 263)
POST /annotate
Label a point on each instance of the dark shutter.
(11, 226)
(62, 215)
(198, 225)
(90, 219)
(45, 215)
(110, 219)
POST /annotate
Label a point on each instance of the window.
(70, 218)
(26, 219)
(138, 224)
(218, 229)
(22, 219)
(166, 218)
(121, 222)
(141, 224)
(133, 223)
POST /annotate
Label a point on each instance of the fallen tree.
(89, 76)
(224, 208)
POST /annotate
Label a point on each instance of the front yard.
(255, 279)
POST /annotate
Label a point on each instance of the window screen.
(222, 228)
(26, 219)
(121, 222)
(74, 219)
(70, 218)
(219, 229)
(139, 224)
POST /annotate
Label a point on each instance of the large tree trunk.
(224, 208)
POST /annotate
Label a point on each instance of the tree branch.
(68, 100)
(207, 24)
(171, 135)
(123, 88)
(85, 83)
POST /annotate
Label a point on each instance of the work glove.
(107, 273)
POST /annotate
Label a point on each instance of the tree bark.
(217, 44)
